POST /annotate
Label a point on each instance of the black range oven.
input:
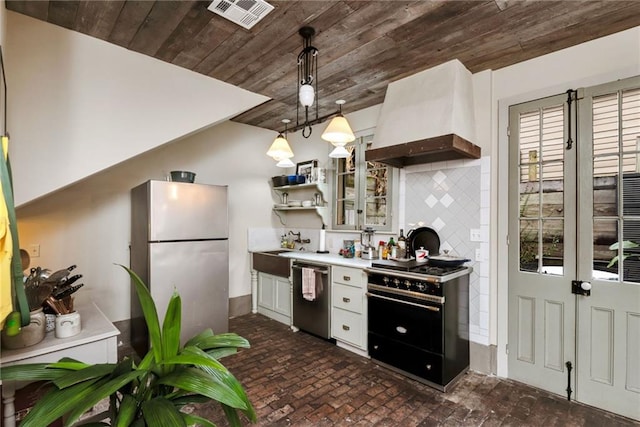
(419, 320)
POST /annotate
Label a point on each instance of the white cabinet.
(349, 306)
(274, 297)
(297, 192)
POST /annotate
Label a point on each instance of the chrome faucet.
(299, 239)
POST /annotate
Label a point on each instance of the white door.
(542, 231)
(608, 321)
(552, 244)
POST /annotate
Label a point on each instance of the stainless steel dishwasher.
(312, 316)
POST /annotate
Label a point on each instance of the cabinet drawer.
(347, 297)
(349, 276)
(347, 326)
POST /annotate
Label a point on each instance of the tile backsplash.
(453, 199)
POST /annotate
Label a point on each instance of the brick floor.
(295, 379)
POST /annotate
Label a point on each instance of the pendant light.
(285, 163)
(339, 134)
(280, 148)
(307, 79)
(339, 153)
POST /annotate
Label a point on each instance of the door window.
(616, 186)
(541, 189)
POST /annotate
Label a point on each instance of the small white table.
(96, 343)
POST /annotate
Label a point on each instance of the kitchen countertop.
(332, 259)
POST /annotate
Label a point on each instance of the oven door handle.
(426, 307)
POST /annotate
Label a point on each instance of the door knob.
(579, 287)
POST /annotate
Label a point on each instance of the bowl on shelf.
(292, 179)
(294, 203)
(300, 179)
(279, 181)
(307, 203)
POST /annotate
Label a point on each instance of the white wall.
(598, 61)
(79, 105)
(88, 223)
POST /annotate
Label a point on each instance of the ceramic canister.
(68, 325)
(422, 255)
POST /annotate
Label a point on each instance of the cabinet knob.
(345, 299)
(346, 278)
(428, 367)
(375, 347)
(345, 327)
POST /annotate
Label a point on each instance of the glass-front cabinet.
(362, 189)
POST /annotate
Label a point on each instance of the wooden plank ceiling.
(364, 45)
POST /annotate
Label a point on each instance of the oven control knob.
(396, 282)
(385, 280)
(421, 287)
(407, 284)
(428, 367)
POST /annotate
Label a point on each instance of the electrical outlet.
(34, 250)
(478, 255)
(475, 235)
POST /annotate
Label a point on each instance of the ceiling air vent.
(245, 13)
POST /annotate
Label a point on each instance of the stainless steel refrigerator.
(180, 240)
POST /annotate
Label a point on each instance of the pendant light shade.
(307, 95)
(285, 163)
(338, 131)
(339, 153)
(280, 148)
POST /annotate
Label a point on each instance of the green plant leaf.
(613, 261)
(219, 353)
(147, 361)
(31, 371)
(171, 327)
(126, 412)
(200, 382)
(149, 311)
(104, 390)
(160, 412)
(55, 404)
(232, 415)
(70, 364)
(191, 420)
(626, 244)
(223, 340)
(202, 335)
(197, 357)
(224, 377)
(90, 372)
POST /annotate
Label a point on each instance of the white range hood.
(427, 117)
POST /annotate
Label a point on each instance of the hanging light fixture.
(307, 79)
(280, 148)
(339, 134)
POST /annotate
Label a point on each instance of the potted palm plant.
(151, 392)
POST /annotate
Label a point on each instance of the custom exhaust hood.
(427, 117)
